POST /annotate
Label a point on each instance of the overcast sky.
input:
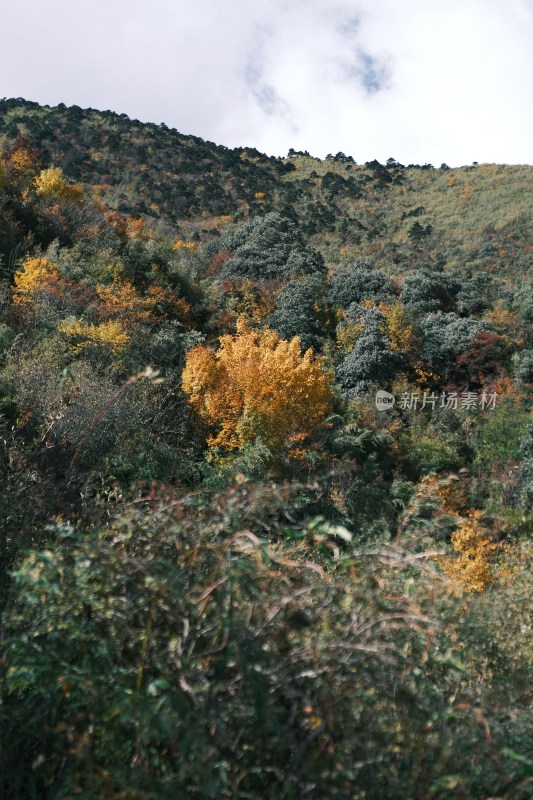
(418, 80)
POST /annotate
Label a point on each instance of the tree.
(33, 278)
(483, 358)
(472, 297)
(110, 335)
(372, 359)
(524, 300)
(359, 282)
(51, 184)
(379, 174)
(424, 291)
(270, 247)
(445, 336)
(417, 232)
(523, 367)
(526, 469)
(257, 385)
(475, 549)
(400, 327)
(301, 311)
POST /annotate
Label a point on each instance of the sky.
(421, 81)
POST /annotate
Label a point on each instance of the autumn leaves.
(258, 385)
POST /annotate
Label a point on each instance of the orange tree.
(257, 385)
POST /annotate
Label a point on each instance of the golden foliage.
(108, 334)
(32, 278)
(120, 301)
(473, 565)
(136, 229)
(424, 378)
(348, 334)
(257, 384)
(22, 161)
(249, 299)
(51, 183)
(179, 244)
(452, 494)
(503, 320)
(164, 303)
(398, 327)
(505, 388)
(217, 223)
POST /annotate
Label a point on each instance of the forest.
(266, 470)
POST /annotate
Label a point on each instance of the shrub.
(178, 637)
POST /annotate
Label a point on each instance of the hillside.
(477, 217)
(266, 470)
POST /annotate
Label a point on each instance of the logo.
(384, 400)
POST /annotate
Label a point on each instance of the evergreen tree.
(270, 247)
(359, 282)
(372, 361)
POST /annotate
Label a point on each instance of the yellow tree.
(472, 563)
(34, 276)
(257, 384)
(398, 326)
(51, 183)
(110, 335)
(24, 161)
(473, 566)
(120, 301)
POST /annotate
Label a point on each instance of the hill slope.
(473, 218)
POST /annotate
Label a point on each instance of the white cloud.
(417, 80)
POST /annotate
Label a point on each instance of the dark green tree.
(270, 247)
(359, 282)
(425, 290)
(301, 311)
(445, 336)
(372, 361)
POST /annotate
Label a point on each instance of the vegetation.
(266, 468)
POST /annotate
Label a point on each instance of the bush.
(178, 637)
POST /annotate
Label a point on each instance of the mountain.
(472, 218)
